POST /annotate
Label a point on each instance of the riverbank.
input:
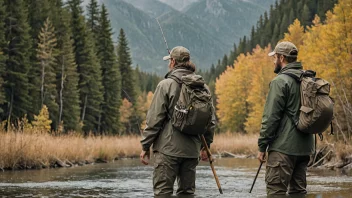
(41, 150)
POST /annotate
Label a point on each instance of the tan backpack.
(317, 107)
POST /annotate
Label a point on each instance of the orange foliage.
(241, 91)
(327, 49)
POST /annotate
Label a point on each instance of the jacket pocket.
(272, 174)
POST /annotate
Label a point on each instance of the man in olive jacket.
(175, 154)
(288, 148)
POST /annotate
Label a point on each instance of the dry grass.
(343, 151)
(235, 143)
(33, 149)
(29, 150)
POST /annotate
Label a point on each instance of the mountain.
(153, 8)
(229, 20)
(208, 28)
(179, 4)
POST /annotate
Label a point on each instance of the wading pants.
(167, 169)
(286, 173)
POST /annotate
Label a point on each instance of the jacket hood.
(294, 68)
(178, 73)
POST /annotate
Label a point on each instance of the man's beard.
(277, 68)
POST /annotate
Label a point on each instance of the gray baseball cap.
(285, 48)
(179, 53)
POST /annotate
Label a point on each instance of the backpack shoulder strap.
(298, 80)
(177, 95)
(178, 80)
(293, 76)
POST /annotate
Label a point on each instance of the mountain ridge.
(208, 36)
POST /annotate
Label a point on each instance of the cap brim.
(166, 58)
(271, 54)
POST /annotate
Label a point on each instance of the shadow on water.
(127, 178)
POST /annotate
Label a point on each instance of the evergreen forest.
(61, 64)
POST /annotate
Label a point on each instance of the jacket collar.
(290, 66)
(178, 73)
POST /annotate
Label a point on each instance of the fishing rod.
(202, 136)
(162, 32)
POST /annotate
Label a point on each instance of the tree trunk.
(42, 84)
(84, 108)
(99, 120)
(61, 89)
(10, 111)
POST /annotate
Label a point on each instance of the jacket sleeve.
(156, 116)
(209, 134)
(273, 112)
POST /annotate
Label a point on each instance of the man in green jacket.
(288, 148)
(175, 154)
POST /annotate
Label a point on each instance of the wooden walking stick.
(260, 166)
(211, 163)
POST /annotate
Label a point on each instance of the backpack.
(317, 107)
(193, 111)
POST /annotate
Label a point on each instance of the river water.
(128, 178)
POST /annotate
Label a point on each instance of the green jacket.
(281, 110)
(159, 131)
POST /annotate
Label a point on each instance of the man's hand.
(203, 155)
(261, 157)
(143, 155)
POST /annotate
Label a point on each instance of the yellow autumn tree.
(328, 48)
(232, 88)
(261, 77)
(308, 49)
(42, 122)
(126, 110)
(144, 102)
(295, 34)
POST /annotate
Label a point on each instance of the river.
(128, 178)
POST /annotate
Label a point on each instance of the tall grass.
(32, 149)
(235, 143)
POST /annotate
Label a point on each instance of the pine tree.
(46, 53)
(283, 26)
(2, 56)
(233, 55)
(275, 36)
(93, 19)
(291, 17)
(38, 12)
(17, 64)
(224, 63)
(89, 70)
(125, 62)
(253, 38)
(306, 19)
(265, 32)
(111, 76)
(67, 78)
